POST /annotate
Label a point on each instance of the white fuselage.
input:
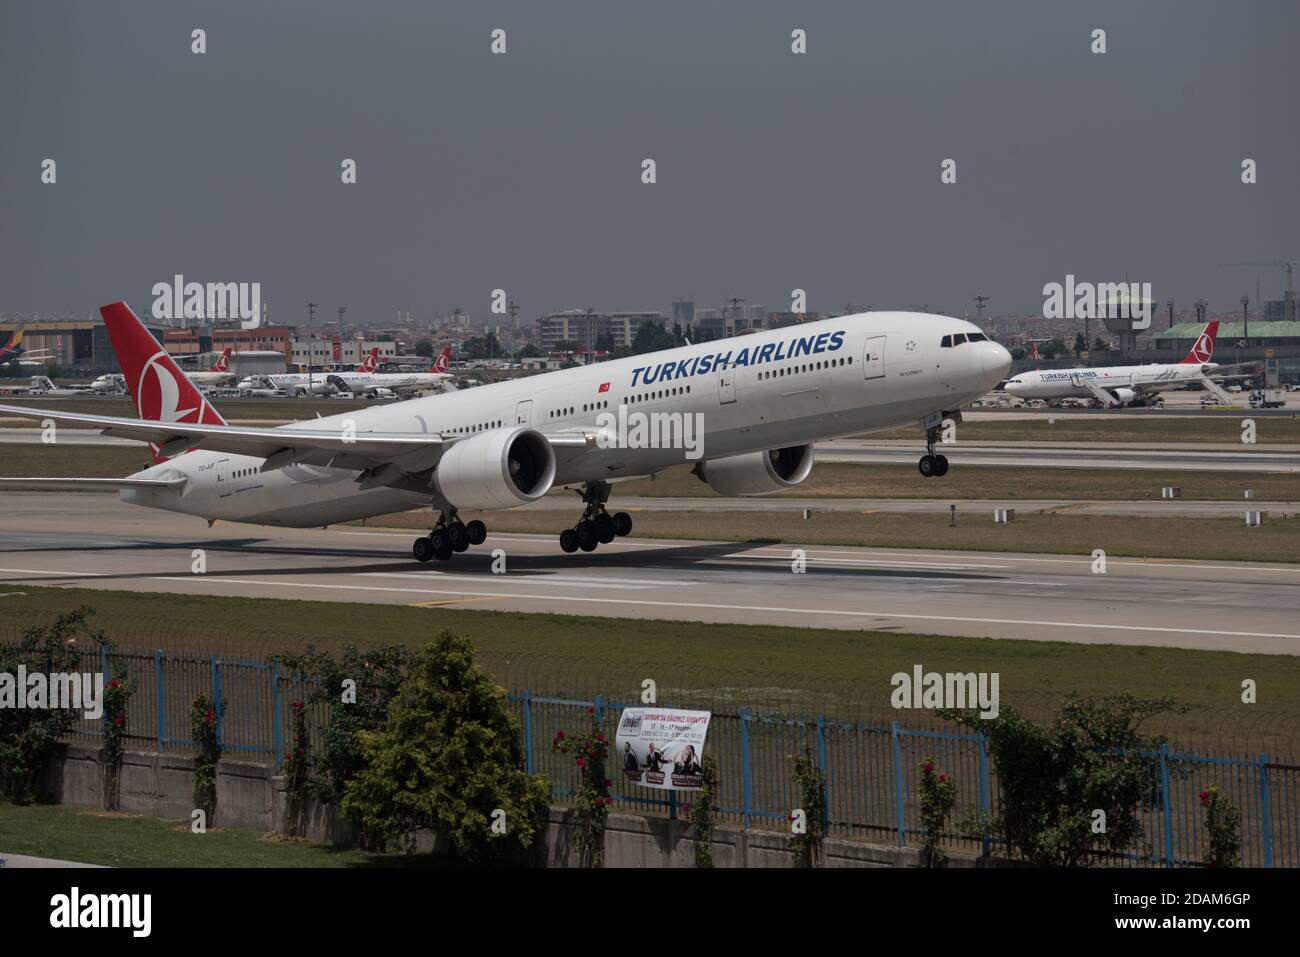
(394, 381)
(786, 387)
(1063, 383)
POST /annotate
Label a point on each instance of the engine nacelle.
(758, 473)
(1124, 396)
(500, 468)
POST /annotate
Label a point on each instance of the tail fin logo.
(443, 362)
(370, 362)
(1203, 350)
(223, 362)
(158, 396)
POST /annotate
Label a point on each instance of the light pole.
(1245, 320)
(1170, 304)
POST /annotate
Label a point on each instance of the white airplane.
(296, 384)
(1123, 385)
(14, 351)
(763, 401)
(113, 382)
(374, 383)
(218, 375)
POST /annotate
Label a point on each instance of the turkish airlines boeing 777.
(763, 399)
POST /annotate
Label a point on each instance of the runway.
(94, 541)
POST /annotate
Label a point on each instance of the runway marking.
(865, 613)
(1074, 507)
(449, 601)
(599, 582)
(55, 573)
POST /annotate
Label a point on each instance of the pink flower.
(580, 762)
(942, 778)
(928, 767)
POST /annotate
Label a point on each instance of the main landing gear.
(450, 535)
(932, 465)
(597, 526)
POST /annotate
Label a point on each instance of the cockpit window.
(977, 337)
(959, 338)
(947, 343)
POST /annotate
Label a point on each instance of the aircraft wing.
(1100, 394)
(410, 451)
(95, 482)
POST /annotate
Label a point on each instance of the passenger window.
(947, 343)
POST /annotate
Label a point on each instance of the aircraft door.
(223, 477)
(726, 386)
(873, 358)
(524, 412)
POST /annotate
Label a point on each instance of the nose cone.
(996, 361)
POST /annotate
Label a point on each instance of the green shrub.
(1054, 778)
(28, 736)
(449, 756)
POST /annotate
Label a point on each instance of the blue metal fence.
(871, 770)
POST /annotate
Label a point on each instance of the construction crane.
(1288, 309)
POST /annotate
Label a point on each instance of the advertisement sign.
(662, 748)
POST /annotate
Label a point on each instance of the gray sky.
(522, 171)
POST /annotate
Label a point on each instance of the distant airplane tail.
(1203, 349)
(1033, 352)
(443, 362)
(14, 347)
(159, 389)
(223, 361)
(371, 362)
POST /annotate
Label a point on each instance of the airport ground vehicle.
(1267, 399)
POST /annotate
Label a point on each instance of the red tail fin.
(160, 390)
(1203, 349)
(223, 361)
(371, 362)
(443, 362)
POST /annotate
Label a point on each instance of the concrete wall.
(252, 796)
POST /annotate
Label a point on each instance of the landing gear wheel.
(622, 524)
(457, 537)
(438, 539)
(943, 465)
(569, 540)
(929, 465)
(587, 539)
(443, 554)
(604, 528)
(422, 549)
(477, 532)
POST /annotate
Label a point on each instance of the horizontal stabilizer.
(104, 483)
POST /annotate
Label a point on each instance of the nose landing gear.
(449, 535)
(932, 465)
(596, 527)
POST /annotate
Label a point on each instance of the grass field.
(838, 480)
(1071, 533)
(127, 840)
(841, 672)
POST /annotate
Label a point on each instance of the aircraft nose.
(996, 360)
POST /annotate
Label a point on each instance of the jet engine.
(1125, 396)
(500, 468)
(758, 473)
